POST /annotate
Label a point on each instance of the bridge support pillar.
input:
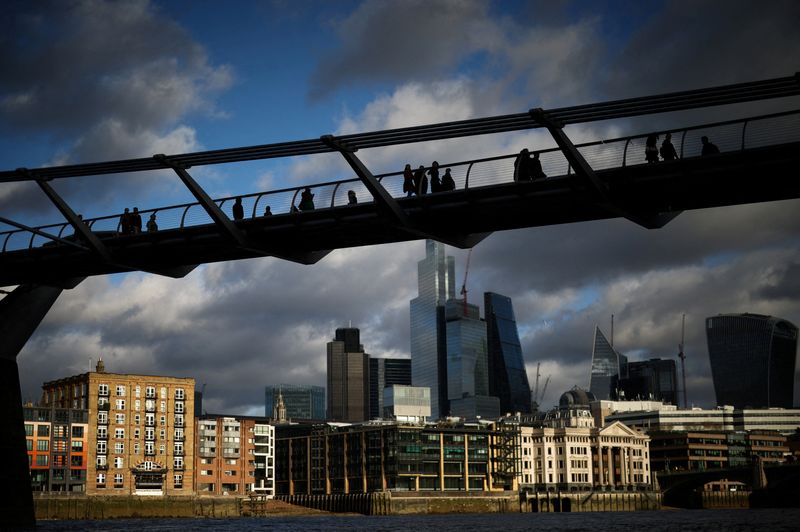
(21, 311)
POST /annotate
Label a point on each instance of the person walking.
(238, 209)
(408, 181)
(709, 148)
(668, 152)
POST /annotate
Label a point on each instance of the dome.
(576, 397)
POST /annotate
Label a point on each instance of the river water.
(771, 520)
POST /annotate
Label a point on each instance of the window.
(119, 433)
(163, 406)
(178, 480)
(102, 447)
(137, 392)
(179, 394)
(231, 461)
(77, 432)
(162, 449)
(118, 462)
(101, 478)
(76, 461)
(149, 447)
(43, 431)
(205, 471)
(119, 447)
(136, 448)
(179, 407)
(102, 432)
(163, 392)
(137, 405)
(118, 480)
(42, 445)
(178, 461)
(102, 389)
(42, 459)
(230, 473)
(120, 390)
(102, 417)
(137, 419)
(150, 392)
(163, 421)
(119, 419)
(28, 429)
(120, 404)
(30, 444)
(136, 433)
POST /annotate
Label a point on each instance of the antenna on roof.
(682, 356)
(464, 286)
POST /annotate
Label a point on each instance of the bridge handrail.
(338, 183)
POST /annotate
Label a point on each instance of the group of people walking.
(667, 150)
(130, 223)
(527, 168)
(416, 182)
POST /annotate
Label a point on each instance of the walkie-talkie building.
(752, 360)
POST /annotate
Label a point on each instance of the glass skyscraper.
(606, 364)
(383, 373)
(752, 360)
(436, 284)
(301, 401)
(653, 379)
(508, 379)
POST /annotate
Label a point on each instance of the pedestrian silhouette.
(668, 152)
(306, 200)
(420, 181)
(522, 166)
(447, 181)
(152, 226)
(351, 197)
(136, 221)
(536, 168)
(268, 211)
(238, 209)
(709, 148)
(651, 149)
(436, 184)
(408, 181)
(125, 222)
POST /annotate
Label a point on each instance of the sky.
(91, 80)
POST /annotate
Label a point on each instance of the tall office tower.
(436, 283)
(348, 378)
(468, 363)
(508, 379)
(301, 401)
(383, 373)
(607, 365)
(653, 379)
(752, 360)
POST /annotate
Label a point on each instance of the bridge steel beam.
(42, 233)
(21, 312)
(597, 186)
(389, 205)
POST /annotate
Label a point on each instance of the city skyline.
(204, 78)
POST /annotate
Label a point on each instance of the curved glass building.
(752, 360)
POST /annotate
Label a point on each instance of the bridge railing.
(732, 135)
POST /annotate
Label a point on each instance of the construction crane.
(682, 356)
(464, 285)
(536, 397)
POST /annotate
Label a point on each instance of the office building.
(348, 377)
(301, 401)
(606, 364)
(235, 456)
(383, 373)
(468, 363)
(406, 404)
(140, 430)
(436, 284)
(58, 443)
(653, 380)
(508, 379)
(692, 450)
(752, 360)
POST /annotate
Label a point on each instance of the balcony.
(102, 467)
(104, 407)
(179, 452)
(179, 438)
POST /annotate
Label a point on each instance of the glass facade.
(385, 372)
(752, 360)
(508, 379)
(436, 284)
(301, 401)
(605, 368)
(653, 379)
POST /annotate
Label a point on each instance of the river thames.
(665, 520)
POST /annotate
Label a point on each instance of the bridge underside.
(637, 192)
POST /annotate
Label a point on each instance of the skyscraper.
(508, 379)
(348, 378)
(301, 401)
(653, 379)
(468, 362)
(436, 284)
(385, 372)
(606, 364)
(752, 360)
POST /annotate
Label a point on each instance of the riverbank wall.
(590, 501)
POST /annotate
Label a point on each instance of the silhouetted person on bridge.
(536, 168)
(136, 221)
(268, 211)
(436, 184)
(668, 152)
(351, 197)
(408, 181)
(447, 181)
(420, 181)
(522, 166)
(152, 226)
(238, 209)
(306, 200)
(651, 149)
(709, 148)
(125, 222)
